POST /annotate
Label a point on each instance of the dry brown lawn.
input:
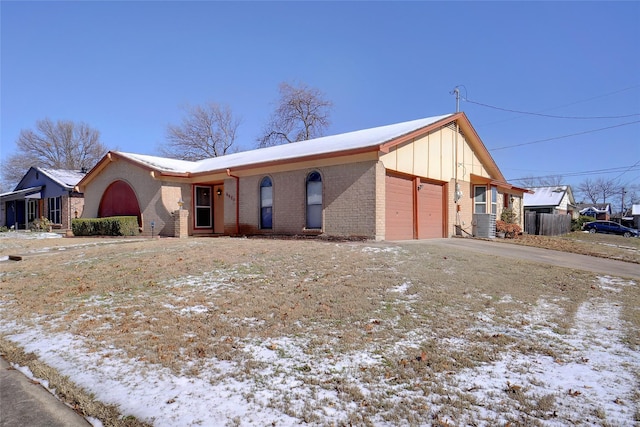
(424, 313)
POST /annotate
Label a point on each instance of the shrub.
(42, 224)
(577, 223)
(509, 229)
(110, 226)
(508, 215)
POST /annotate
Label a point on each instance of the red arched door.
(119, 199)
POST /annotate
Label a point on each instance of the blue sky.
(128, 68)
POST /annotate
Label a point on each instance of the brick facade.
(350, 199)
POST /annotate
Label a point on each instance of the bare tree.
(599, 190)
(302, 113)
(60, 145)
(206, 131)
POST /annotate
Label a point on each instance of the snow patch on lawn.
(595, 380)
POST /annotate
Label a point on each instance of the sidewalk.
(24, 403)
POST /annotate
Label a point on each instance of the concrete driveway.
(539, 255)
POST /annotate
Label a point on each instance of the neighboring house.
(411, 180)
(48, 193)
(600, 211)
(635, 214)
(557, 199)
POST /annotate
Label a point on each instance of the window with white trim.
(32, 210)
(266, 203)
(480, 199)
(314, 200)
(54, 209)
(203, 206)
(494, 200)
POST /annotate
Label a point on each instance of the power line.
(625, 169)
(565, 136)
(550, 115)
(596, 97)
(630, 168)
(558, 106)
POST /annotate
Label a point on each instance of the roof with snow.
(597, 208)
(361, 139)
(64, 177)
(546, 196)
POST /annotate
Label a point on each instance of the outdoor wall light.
(180, 203)
(219, 192)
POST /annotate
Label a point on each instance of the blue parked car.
(610, 227)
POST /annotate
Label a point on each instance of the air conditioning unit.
(484, 225)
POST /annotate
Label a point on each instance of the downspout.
(416, 187)
(237, 200)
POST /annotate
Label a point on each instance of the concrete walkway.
(25, 403)
(543, 256)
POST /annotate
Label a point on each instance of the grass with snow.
(252, 332)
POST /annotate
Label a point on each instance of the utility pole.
(622, 206)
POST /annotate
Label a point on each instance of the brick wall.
(462, 212)
(381, 197)
(349, 201)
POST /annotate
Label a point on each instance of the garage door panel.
(430, 211)
(399, 208)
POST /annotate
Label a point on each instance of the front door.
(203, 207)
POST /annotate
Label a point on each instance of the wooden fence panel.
(530, 224)
(553, 224)
(546, 224)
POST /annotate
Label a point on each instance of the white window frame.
(32, 210)
(54, 205)
(494, 200)
(476, 199)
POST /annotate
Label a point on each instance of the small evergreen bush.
(577, 223)
(508, 215)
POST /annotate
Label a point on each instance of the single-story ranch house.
(48, 193)
(414, 180)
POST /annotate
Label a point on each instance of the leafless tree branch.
(206, 131)
(62, 144)
(302, 113)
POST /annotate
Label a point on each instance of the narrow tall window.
(266, 203)
(480, 199)
(314, 200)
(494, 200)
(203, 207)
(54, 210)
(32, 209)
